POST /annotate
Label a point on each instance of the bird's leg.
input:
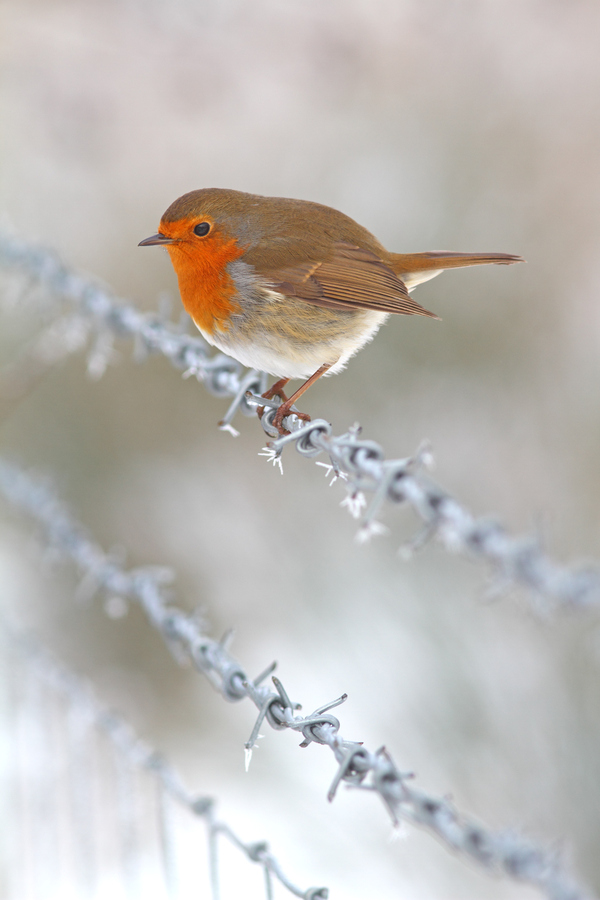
(284, 409)
(275, 391)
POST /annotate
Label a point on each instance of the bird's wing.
(350, 278)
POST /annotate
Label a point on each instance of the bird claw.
(275, 391)
(283, 411)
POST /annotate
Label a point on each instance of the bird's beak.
(156, 239)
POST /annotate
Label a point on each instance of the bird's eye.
(202, 229)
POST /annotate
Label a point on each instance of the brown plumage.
(290, 286)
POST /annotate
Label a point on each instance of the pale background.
(463, 126)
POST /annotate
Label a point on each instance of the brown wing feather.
(351, 278)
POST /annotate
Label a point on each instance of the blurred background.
(465, 126)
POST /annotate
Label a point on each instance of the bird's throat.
(208, 291)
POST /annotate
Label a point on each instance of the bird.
(290, 287)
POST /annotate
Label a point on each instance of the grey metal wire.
(134, 753)
(515, 561)
(504, 852)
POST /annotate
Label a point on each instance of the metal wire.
(132, 753)
(497, 852)
(361, 464)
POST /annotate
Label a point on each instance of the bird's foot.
(275, 391)
(284, 410)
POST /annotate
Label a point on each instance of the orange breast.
(207, 289)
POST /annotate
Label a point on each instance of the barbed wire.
(139, 754)
(503, 852)
(360, 464)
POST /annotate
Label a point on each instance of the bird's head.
(209, 224)
(269, 232)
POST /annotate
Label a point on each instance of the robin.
(290, 287)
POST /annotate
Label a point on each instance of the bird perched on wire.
(290, 287)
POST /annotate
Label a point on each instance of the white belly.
(293, 358)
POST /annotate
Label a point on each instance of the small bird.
(290, 287)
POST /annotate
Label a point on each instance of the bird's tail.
(414, 268)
